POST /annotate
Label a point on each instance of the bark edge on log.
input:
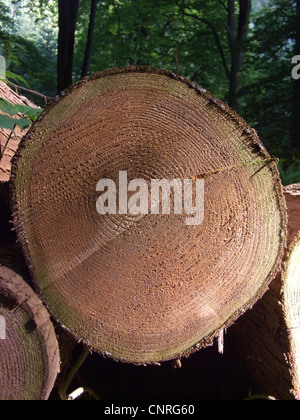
(18, 296)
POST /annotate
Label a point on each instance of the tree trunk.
(147, 288)
(68, 12)
(268, 335)
(295, 135)
(88, 51)
(11, 147)
(29, 354)
(237, 35)
(233, 80)
(237, 38)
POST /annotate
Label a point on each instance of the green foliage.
(172, 34)
(7, 123)
(267, 93)
(28, 38)
(15, 77)
(5, 20)
(157, 33)
(30, 112)
(26, 115)
(290, 174)
(11, 123)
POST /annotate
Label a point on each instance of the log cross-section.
(146, 288)
(29, 354)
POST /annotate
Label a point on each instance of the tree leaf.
(29, 111)
(7, 107)
(23, 123)
(10, 123)
(16, 78)
(12, 110)
(7, 122)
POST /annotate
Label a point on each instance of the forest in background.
(241, 51)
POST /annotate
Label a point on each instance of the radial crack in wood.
(146, 289)
(29, 354)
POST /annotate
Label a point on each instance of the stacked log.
(146, 288)
(268, 335)
(29, 354)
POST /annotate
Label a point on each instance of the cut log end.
(29, 355)
(146, 289)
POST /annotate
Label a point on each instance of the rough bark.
(295, 133)
(29, 354)
(88, 51)
(237, 36)
(68, 13)
(5, 163)
(267, 335)
(144, 289)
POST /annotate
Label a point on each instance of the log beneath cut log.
(29, 355)
(291, 303)
(146, 288)
(268, 335)
(5, 163)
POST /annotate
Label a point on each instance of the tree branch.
(6, 144)
(224, 5)
(217, 39)
(33, 92)
(199, 35)
(178, 66)
(167, 25)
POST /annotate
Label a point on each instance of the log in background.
(29, 353)
(267, 336)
